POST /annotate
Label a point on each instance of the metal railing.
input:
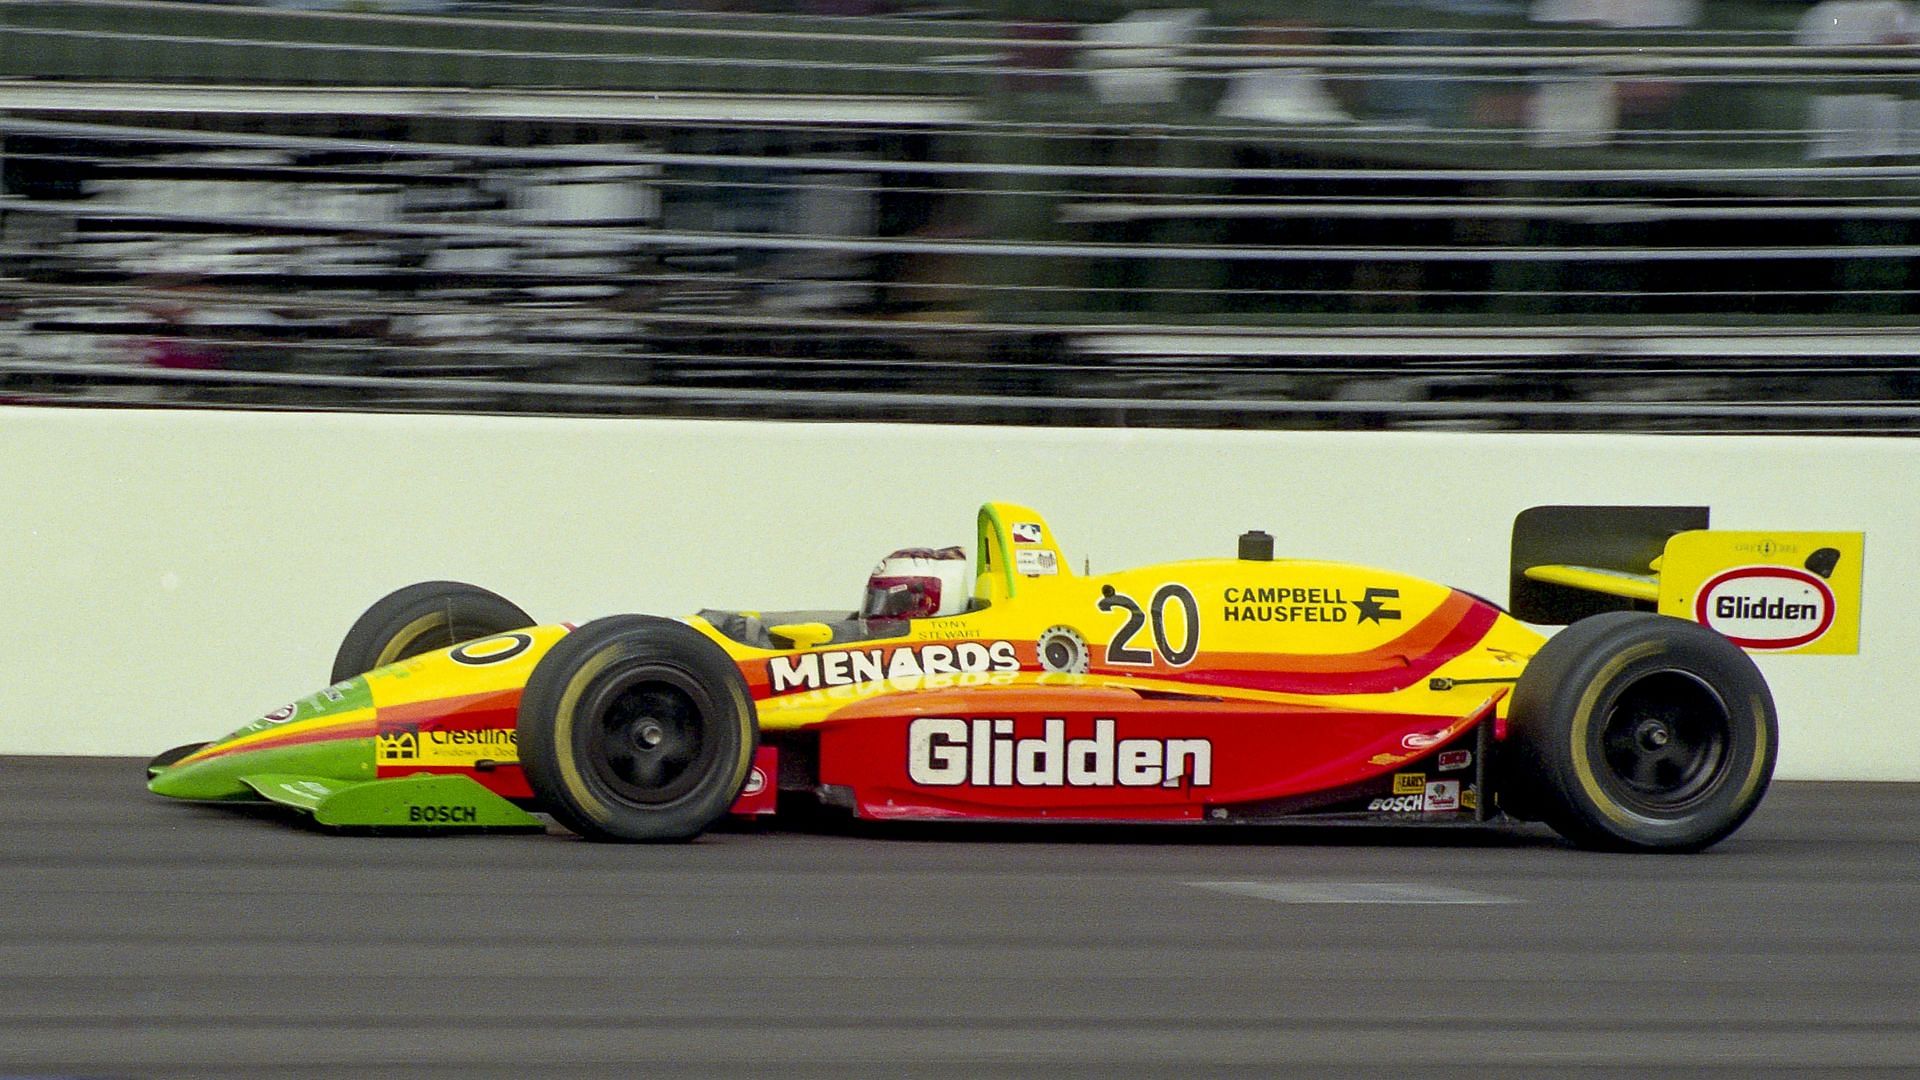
(959, 218)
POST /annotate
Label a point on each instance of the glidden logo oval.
(1766, 607)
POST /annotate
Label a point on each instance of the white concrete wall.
(169, 575)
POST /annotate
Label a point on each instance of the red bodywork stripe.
(495, 709)
(1454, 627)
(356, 729)
(467, 712)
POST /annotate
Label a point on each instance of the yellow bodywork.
(1701, 570)
(1175, 628)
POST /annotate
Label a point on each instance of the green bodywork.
(424, 801)
(318, 756)
(227, 778)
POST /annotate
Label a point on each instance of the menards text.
(948, 751)
(843, 667)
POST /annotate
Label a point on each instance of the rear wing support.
(1570, 562)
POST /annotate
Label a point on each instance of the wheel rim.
(1665, 741)
(441, 636)
(644, 731)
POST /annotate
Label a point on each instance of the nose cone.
(204, 778)
(327, 735)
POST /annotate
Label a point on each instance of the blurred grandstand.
(1563, 214)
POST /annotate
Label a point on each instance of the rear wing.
(1767, 591)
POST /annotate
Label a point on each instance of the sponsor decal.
(759, 795)
(398, 745)
(338, 704)
(442, 815)
(487, 738)
(1766, 607)
(1409, 783)
(1025, 532)
(1035, 563)
(845, 667)
(1443, 795)
(1470, 798)
(1373, 607)
(1768, 547)
(1423, 740)
(1399, 804)
(406, 744)
(1309, 604)
(951, 751)
(1455, 760)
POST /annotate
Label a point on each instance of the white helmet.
(916, 582)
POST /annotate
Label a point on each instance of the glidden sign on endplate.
(1766, 607)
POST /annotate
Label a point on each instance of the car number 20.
(1122, 650)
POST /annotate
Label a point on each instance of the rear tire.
(634, 728)
(1638, 732)
(421, 618)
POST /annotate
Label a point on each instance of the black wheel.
(166, 758)
(421, 618)
(636, 728)
(1638, 732)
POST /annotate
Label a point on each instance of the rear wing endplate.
(1766, 591)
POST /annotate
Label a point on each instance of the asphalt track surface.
(144, 938)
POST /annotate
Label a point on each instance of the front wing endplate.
(422, 801)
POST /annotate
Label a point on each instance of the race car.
(1007, 687)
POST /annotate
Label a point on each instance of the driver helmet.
(913, 583)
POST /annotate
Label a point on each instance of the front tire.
(1638, 732)
(634, 728)
(166, 759)
(421, 618)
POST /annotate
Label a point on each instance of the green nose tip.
(221, 776)
(215, 778)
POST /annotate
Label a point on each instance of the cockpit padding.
(750, 629)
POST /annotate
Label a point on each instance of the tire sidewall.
(1561, 708)
(558, 735)
(420, 618)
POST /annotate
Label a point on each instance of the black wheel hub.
(644, 735)
(1665, 741)
(1653, 736)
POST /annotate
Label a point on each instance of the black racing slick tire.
(166, 758)
(1631, 731)
(421, 618)
(634, 728)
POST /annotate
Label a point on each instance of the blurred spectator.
(1620, 14)
(173, 344)
(1860, 125)
(1839, 23)
(1143, 68)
